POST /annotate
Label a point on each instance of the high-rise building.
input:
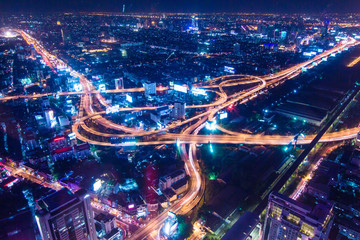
(50, 118)
(152, 182)
(194, 23)
(64, 215)
(237, 51)
(203, 47)
(325, 29)
(178, 111)
(66, 37)
(292, 220)
(170, 225)
(106, 227)
(119, 83)
(150, 89)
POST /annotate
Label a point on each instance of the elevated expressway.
(222, 102)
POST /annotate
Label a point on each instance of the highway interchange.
(187, 139)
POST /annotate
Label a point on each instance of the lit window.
(307, 229)
(276, 212)
(294, 219)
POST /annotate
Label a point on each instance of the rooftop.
(102, 217)
(57, 199)
(243, 227)
(62, 150)
(179, 184)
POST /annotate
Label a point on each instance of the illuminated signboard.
(112, 109)
(131, 206)
(180, 88)
(71, 136)
(129, 98)
(223, 115)
(229, 69)
(198, 91)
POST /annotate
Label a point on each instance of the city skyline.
(198, 6)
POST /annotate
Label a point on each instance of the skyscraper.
(178, 111)
(150, 89)
(66, 37)
(64, 216)
(119, 83)
(237, 50)
(50, 118)
(292, 220)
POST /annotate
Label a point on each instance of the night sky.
(277, 6)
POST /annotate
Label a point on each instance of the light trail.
(190, 134)
(354, 62)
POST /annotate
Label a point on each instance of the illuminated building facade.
(292, 220)
(170, 225)
(64, 215)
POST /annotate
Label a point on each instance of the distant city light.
(9, 34)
